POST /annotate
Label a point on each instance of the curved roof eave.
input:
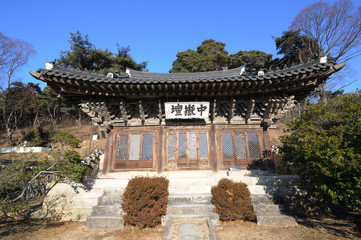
(146, 78)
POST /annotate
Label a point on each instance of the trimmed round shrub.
(232, 201)
(145, 201)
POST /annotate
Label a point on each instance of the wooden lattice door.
(187, 149)
(239, 149)
(134, 150)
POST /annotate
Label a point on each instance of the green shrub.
(70, 165)
(66, 138)
(232, 200)
(325, 147)
(38, 136)
(65, 165)
(51, 130)
(14, 177)
(145, 201)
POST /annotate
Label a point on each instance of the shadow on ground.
(346, 224)
(11, 227)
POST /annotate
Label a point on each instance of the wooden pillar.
(266, 138)
(214, 110)
(267, 145)
(160, 111)
(108, 153)
(213, 151)
(160, 159)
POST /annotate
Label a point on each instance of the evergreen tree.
(212, 56)
(253, 60)
(84, 55)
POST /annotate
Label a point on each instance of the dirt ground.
(327, 227)
(315, 228)
(43, 230)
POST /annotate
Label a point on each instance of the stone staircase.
(108, 213)
(267, 196)
(190, 207)
(269, 211)
(190, 196)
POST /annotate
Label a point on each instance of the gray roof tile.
(138, 77)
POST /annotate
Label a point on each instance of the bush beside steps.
(232, 201)
(145, 201)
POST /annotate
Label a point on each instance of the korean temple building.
(186, 121)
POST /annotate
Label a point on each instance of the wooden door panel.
(193, 162)
(119, 164)
(127, 158)
(187, 148)
(239, 148)
(145, 164)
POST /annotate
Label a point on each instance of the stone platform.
(76, 203)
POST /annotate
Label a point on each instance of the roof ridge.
(187, 73)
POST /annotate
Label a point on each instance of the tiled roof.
(297, 81)
(139, 77)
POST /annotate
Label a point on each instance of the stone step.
(277, 180)
(105, 183)
(276, 221)
(109, 200)
(212, 181)
(181, 199)
(266, 199)
(190, 209)
(105, 222)
(168, 174)
(130, 174)
(246, 180)
(213, 218)
(188, 174)
(189, 189)
(257, 189)
(107, 210)
(267, 189)
(113, 191)
(194, 181)
(267, 209)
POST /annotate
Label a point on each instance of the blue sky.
(154, 30)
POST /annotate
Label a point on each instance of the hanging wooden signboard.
(186, 110)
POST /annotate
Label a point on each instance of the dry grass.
(82, 132)
(42, 229)
(345, 226)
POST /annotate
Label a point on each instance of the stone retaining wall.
(23, 149)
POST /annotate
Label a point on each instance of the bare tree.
(13, 55)
(335, 28)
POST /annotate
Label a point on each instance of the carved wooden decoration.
(231, 109)
(250, 107)
(123, 112)
(141, 111)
